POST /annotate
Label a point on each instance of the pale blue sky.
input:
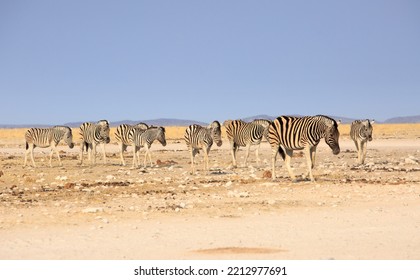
(64, 61)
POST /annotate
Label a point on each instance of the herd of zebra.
(285, 134)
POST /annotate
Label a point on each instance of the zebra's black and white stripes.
(145, 138)
(240, 133)
(198, 137)
(361, 133)
(47, 137)
(93, 134)
(124, 136)
(288, 133)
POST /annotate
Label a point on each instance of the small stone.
(93, 210)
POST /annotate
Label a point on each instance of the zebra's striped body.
(361, 133)
(287, 134)
(145, 138)
(124, 135)
(240, 133)
(93, 134)
(47, 137)
(198, 137)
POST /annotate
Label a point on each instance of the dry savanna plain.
(108, 211)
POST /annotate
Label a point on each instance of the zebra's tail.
(27, 145)
(281, 152)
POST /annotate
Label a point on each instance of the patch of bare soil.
(109, 211)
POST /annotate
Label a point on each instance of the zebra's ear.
(338, 122)
(372, 121)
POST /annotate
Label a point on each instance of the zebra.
(93, 134)
(124, 135)
(361, 133)
(47, 137)
(240, 133)
(287, 133)
(198, 137)
(145, 138)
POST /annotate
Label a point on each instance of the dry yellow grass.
(17, 135)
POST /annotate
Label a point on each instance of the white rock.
(410, 160)
(93, 210)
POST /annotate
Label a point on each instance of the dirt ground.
(109, 211)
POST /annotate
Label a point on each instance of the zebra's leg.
(364, 152)
(248, 147)
(257, 154)
(308, 155)
(81, 153)
(58, 156)
(103, 152)
(123, 147)
(313, 155)
(138, 154)
(135, 151)
(31, 147)
(289, 154)
(192, 152)
(150, 158)
(26, 155)
(92, 154)
(54, 149)
(233, 150)
(206, 158)
(274, 151)
(356, 142)
(29, 150)
(147, 153)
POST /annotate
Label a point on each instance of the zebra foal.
(47, 137)
(93, 134)
(145, 138)
(361, 133)
(287, 134)
(198, 137)
(240, 133)
(124, 135)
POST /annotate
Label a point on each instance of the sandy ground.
(162, 212)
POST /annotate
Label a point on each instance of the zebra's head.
(104, 130)
(161, 135)
(68, 138)
(367, 129)
(216, 133)
(332, 134)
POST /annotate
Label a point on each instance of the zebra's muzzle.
(219, 143)
(336, 150)
(71, 145)
(107, 140)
